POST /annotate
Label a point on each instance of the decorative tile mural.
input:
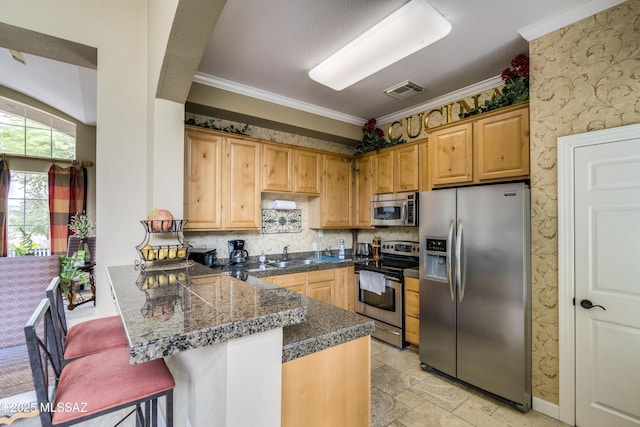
(279, 221)
(583, 77)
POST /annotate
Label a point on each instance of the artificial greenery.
(81, 225)
(26, 246)
(514, 91)
(70, 272)
(211, 124)
(373, 139)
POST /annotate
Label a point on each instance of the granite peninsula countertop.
(169, 311)
(200, 306)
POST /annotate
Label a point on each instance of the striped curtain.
(67, 196)
(5, 181)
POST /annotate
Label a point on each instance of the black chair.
(94, 385)
(91, 336)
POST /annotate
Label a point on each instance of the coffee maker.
(237, 254)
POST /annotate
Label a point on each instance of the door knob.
(585, 303)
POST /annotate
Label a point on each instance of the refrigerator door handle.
(449, 257)
(459, 278)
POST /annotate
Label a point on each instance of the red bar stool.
(94, 385)
(89, 337)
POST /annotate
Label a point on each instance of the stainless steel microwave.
(396, 209)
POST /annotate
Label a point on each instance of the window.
(31, 133)
(26, 131)
(28, 205)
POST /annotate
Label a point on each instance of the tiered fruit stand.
(163, 247)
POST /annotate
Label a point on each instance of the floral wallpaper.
(583, 77)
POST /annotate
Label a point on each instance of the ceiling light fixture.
(412, 27)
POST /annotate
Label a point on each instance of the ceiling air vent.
(404, 90)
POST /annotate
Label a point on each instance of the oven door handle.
(449, 260)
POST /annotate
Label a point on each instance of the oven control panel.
(401, 247)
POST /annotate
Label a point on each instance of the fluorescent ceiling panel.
(412, 27)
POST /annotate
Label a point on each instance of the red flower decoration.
(520, 68)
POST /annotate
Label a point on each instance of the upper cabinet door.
(502, 146)
(333, 207)
(277, 161)
(364, 190)
(383, 172)
(242, 210)
(406, 170)
(306, 171)
(202, 183)
(451, 155)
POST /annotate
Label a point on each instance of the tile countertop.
(203, 306)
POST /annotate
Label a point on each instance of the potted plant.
(373, 139)
(83, 227)
(515, 90)
(69, 273)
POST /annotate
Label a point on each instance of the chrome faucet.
(284, 253)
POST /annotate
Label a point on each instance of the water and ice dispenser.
(435, 259)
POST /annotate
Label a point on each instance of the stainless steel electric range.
(379, 290)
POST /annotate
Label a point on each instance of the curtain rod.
(48, 159)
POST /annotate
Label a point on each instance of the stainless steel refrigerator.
(475, 287)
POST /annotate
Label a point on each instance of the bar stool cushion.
(93, 336)
(105, 380)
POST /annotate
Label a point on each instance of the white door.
(607, 274)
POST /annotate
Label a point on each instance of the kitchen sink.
(292, 262)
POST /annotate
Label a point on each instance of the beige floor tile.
(431, 415)
(515, 418)
(385, 409)
(478, 411)
(441, 392)
(390, 380)
(409, 398)
(402, 360)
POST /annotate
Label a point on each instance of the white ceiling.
(266, 48)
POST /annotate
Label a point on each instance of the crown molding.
(471, 90)
(264, 95)
(568, 17)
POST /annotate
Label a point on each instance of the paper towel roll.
(284, 205)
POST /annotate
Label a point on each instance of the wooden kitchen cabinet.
(451, 155)
(412, 310)
(396, 169)
(307, 168)
(502, 146)
(406, 168)
(296, 282)
(331, 387)
(222, 181)
(241, 201)
(363, 190)
(491, 147)
(383, 172)
(320, 285)
(345, 288)
(333, 208)
(277, 163)
(290, 170)
(333, 286)
(423, 156)
(202, 180)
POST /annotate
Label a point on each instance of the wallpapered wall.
(584, 77)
